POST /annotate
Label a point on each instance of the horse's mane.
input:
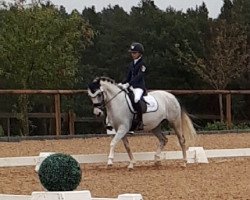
(105, 79)
(95, 85)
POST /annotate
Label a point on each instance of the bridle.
(101, 105)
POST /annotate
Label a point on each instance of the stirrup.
(131, 132)
(109, 127)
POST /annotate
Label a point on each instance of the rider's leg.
(138, 94)
(139, 116)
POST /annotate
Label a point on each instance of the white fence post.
(196, 155)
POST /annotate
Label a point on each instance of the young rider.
(135, 78)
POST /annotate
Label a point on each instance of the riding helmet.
(136, 47)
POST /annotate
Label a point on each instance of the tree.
(226, 11)
(241, 15)
(110, 43)
(225, 56)
(40, 49)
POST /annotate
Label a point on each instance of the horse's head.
(95, 92)
(102, 91)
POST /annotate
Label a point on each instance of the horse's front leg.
(118, 136)
(131, 157)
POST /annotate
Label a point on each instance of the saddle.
(148, 104)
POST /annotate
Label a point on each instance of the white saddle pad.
(152, 104)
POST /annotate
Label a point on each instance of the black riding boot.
(139, 116)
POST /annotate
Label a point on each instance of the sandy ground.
(220, 179)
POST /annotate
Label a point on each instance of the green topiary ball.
(60, 172)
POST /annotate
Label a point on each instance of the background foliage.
(44, 47)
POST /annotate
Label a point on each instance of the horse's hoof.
(110, 162)
(130, 168)
(184, 165)
(109, 166)
(158, 163)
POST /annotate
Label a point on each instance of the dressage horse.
(105, 93)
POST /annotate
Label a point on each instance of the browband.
(96, 93)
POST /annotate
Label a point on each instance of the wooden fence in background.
(72, 118)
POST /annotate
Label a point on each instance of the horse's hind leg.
(162, 142)
(179, 132)
(131, 157)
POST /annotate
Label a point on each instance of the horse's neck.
(110, 89)
(116, 106)
(112, 97)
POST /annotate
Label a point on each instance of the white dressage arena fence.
(195, 155)
(72, 195)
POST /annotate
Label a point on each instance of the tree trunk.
(24, 120)
(221, 108)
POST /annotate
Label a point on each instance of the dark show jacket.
(135, 75)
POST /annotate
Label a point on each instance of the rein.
(103, 104)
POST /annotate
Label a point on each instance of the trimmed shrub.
(60, 172)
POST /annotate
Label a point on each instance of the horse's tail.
(188, 129)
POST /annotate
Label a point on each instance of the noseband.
(100, 105)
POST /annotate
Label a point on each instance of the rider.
(135, 78)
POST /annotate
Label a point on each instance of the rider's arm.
(128, 77)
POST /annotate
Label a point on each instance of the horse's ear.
(94, 86)
(97, 80)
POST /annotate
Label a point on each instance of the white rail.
(71, 195)
(121, 157)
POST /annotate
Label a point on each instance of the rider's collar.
(136, 60)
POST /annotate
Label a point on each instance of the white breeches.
(138, 94)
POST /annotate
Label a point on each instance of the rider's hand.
(120, 85)
(125, 86)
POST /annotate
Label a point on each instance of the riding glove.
(125, 86)
(120, 85)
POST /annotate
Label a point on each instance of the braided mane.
(106, 79)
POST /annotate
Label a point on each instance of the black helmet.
(136, 47)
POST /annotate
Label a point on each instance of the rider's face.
(135, 55)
